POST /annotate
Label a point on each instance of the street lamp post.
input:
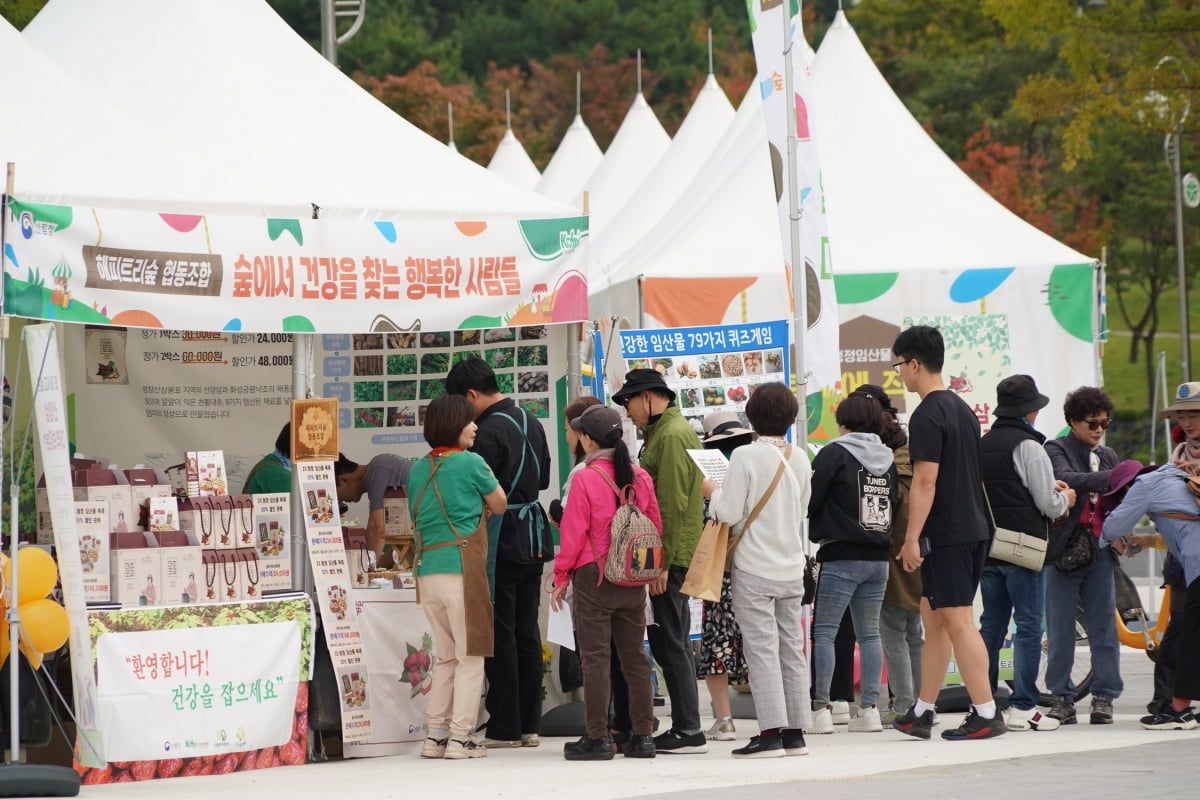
(1171, 145)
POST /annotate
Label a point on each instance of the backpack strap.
(628, 495)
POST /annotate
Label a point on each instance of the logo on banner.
(27, 224)
(30, 226)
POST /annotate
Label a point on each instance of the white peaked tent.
(278, 111)
(914, 236)
(68, 145)
(573, 162)
(639, 144)
(709, 117)
(886, 176)
(716, 255)
(511, 162)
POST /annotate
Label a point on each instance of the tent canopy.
(897, 202)
(230, 77)
(573, 162)
(511, 162)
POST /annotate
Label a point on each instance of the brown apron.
(473, 550)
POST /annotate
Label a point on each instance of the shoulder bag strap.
(762, 501)
(628, 495)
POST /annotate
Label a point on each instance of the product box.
(137, 575)
(145, 484)
(198, 515)
(230, 574)
(206, 473)
(182, 573)
(243, 520)
(91, 525)
(110, 486)
(272, 521)
(357, 556)
(249, 575)
(228, 522)
(396, 519)
(164, 514)
(212, 587)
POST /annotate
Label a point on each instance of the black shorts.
(950, 573)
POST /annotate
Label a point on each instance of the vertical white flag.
(820, 341)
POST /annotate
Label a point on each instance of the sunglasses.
(1098, 424)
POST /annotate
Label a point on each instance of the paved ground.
(1119, 760)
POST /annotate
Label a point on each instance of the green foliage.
(26, 494)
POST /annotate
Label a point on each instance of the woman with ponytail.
(602, 611)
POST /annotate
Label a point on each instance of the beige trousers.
(457, 678)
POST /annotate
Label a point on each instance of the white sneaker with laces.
(722, 730)
(840, 712)
(464, 748)
(867, 721)
(822, 721)
(1031, 719)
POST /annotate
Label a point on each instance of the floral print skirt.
(721, 640)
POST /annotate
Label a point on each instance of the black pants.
(1187, 676)
(672, 650)
(514, 673)
(1168, 648)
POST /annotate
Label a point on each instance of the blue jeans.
(1016, 592)
(859, 585)
(1094, 589)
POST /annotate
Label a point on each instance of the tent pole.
(796, 259)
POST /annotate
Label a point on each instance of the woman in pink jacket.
(603, 612)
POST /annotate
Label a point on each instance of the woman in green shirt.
(450, 493)
(273, 473)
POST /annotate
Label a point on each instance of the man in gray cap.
(1024, 496)
(650, 403)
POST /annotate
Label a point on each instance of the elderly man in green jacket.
(651, 406)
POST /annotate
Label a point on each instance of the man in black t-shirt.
(948, 537)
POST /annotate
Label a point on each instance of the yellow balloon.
(4, 649)
(44, 627)
(36, 574)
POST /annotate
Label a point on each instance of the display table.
(198, 690)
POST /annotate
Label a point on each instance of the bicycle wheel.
(1081, 672)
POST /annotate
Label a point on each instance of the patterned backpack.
(635, 550)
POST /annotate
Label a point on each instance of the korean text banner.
(229, 273)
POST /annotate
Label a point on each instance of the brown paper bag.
(707, 569)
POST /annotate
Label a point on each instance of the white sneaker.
(464, 748)
(1016, 719)
(822, 721)
(722, 730)
(840, 712)
(867, 721)
(434, 747)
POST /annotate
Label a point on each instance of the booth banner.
(233, 273)
(768, 19)
(198, 690)
(398, 647)
(977, 358)
(50, 411)
(711, 368)
(331, 576)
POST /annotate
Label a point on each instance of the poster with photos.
(385, 381)
(712, 368)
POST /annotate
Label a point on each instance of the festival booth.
(911, 239)
(410, 239)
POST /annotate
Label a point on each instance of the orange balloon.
(36, 574)
(3, 641)
(44, 628)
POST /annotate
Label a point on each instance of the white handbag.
(1017, 547)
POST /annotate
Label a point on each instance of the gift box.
(271, 522)
(230, 575)
(145, 484)
(110, 486)
(228, 521)
(136, 574)
(182, 569)
(213, 586)
(396, 518)
(198, 515)
(358, 557)
(249, 576)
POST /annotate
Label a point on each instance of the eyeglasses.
(899, 364)
(1098, 424)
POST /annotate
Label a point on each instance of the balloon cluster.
(44, 623)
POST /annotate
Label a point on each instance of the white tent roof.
(576, 158)
(639, 144)
(695, 140)
(896, 201)
(68, 145)
(511, 162)
(231, 78)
